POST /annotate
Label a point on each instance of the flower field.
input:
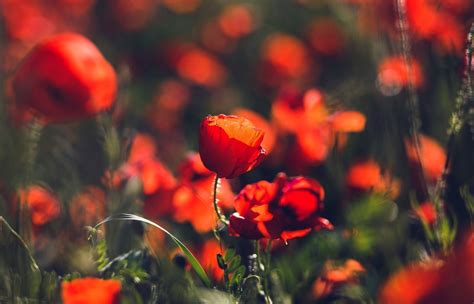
(192, 151)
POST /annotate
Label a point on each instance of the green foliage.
(21, 280)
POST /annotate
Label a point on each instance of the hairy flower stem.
(414, 115)
(220, 217)
(262, 271)
(32, 139)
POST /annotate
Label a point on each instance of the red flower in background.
(192, 199)
(432, 157)
(87, 207)
(307, 117)
(64, 78)
(43, 205)
(326, 37)
(427, 212)
(230, 145)
(368, 176)
(285, 209)
(195, 64)
(207, 256)
(236, 21)
(435, 281)
(334, 276)
(157, 182)
(393, 74)
(286, 58)
(91, 291)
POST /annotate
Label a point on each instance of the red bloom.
(65, 77)
(427, 212)
(208, 258)
(44, 206)
(432, 157)
(87, 207)
(393, 73)
(230, 145)
(192, 199)
(286, 208)
(368, 176)
(91, 291)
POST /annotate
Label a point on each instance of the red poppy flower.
(44, 206)
(334, 276)
(65, 77)
(237, 20)
(447, 280)
(230, 145)
(393, 72)
(284, 209)
(368, 176)
(91, 291)
(261, 123)
(432, 157)
(427, 212)
(192, 199)
(87, 207)
(326, 37)
(207, 256)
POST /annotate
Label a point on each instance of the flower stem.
(220, 217)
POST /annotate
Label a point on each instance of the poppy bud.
(230, 145)
(64, 78)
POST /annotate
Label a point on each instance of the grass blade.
(191, 258)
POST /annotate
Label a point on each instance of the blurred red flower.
(91, 291)
(427, 212)
(285, 58)
(368, 176)
(43, 205)
(447, 280)
(88, 207)
(192, 199)
(393, 72)
(334, 276)
(195, 64)
(236, 21)
(326, 37)
(432, 157)
(207, 256)
(65, 77)
(230, 145)
(157, 182)
(285, 209)
(307, 117)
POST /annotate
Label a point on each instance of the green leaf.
(229, 254)
(234, 263)
(20, 274)
(191, 259)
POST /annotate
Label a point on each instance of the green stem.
(220, 217)
(263, 272)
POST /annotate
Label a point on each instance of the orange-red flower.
(65, 77)
(44, 206)
(158, 183)
(334, 276)
(285, 209)
(208, 258)
(432, 157)
(393, 74)
(326, 36)
(88, 207)
(91, 291)
(192, 199)
(368, 176)
(307, 117)
(230, 145)
(436, 281)
(286, 58)
(427, 213)
(236, 21)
